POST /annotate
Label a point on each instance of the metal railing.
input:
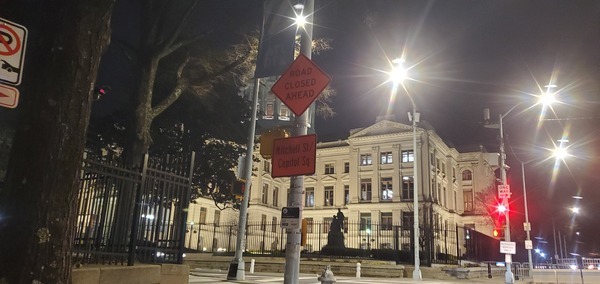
(129, 214)
(377, 241)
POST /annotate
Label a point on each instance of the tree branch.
(182, 84)
(224, 70)
(175, 34)
(173, 47)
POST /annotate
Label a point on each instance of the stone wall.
(139, 274)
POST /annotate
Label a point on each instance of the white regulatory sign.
(528, 244)
(504, 191)
(508, 247)
(13, 39)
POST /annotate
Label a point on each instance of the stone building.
(369, 176)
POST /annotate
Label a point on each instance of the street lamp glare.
(575, 210)
(300, 20)
(398, 74)
(547, 99)
(560, 153)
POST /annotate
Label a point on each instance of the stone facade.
(369, 176)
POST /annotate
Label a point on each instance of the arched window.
(467, 175)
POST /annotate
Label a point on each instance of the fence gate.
(128, 214)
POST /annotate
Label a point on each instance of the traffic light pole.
(300, 127)
(508, 277)
(237, 266)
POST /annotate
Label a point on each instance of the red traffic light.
(501, 208)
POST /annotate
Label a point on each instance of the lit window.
(346, 194)
(328, 196)
(386, 189)
(284, 112)
(365, 160)
(365, 190)
(386, 158)
(468, 199)
(408, 156)
(408, 188)
(309, 200)
(365, 221)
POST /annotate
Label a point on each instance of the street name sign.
(300, 84)
(13, 39)
(290, 218)
(508, 247)
(294, 156)
(9, 96)
(504, 191)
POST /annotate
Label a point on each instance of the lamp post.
(398, 75)
(300, 127)
(527, 225)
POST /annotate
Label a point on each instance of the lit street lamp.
(397, 76)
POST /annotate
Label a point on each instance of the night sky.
(467, 55)
(463, 56)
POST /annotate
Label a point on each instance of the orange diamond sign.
(300, 84)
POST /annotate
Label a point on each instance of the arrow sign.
(9, 96)
(300, 85)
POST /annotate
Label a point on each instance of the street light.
(397, 76)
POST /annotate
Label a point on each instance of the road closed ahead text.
(294, 156)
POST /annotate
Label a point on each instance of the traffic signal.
(502, 209)
(238, 187)
(498, 233)
(267, 140)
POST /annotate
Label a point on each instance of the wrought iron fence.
(128, 214)
(378, 241)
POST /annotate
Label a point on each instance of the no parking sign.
(13, 39)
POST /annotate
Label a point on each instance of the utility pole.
(299, 128)
(237, 266)
(508, 277)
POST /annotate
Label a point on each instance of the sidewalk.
(219, 276)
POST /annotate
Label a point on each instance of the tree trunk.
(140, 139)
(37, 206)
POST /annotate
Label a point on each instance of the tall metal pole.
(300, 127)
(508, 277)
(554, 237)
(417, 272)
(527, 225)
(237, 266)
